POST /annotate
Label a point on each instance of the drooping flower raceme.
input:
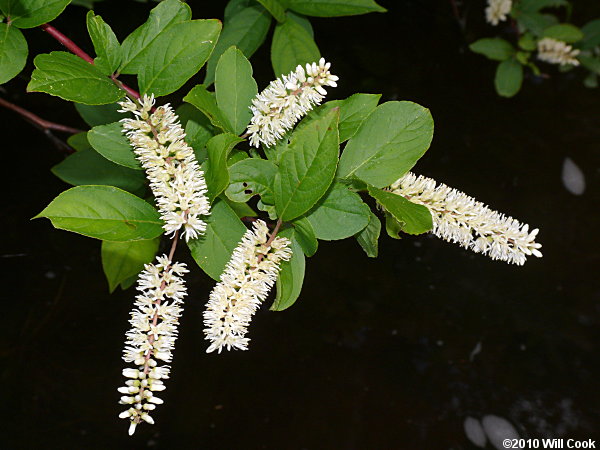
(497, 11)
(277, 109)
(461, 219)
(151, 338)
(245, 283)
(557, 52)
(175, 177)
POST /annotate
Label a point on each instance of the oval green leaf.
(13, 52)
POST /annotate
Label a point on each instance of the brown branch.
(76, 50)
(43, 124)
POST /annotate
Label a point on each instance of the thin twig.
(37, 120)
(272, 237)
(76, 50)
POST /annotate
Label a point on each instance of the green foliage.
(275, 9)
(105, 42)
(88, 167)
(134, 47)
(103, 212)
(99, 114)
(292, 45)
(124, 260)
(591, 35)
(71, 78)
(177, 54)
(509, 77)
(305, 235)
(332, 8)
(32, 13)
(563, 32)
(339, 214)
(205, 102)
(235, 88)
(291, 277)
(250, 177)
(216, 173)
(413, 218)
(224, 230)
(388, 143)
(495, 49)
(13, 52)
(307, 166)
(368, 237)
(246, 29)
(110, 142)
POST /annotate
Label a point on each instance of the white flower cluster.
(461, 219)
(497, 11)
(175, 177)
(284, 102)
(557, 52)
(151, 337)
(245, 283)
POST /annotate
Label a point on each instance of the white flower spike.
(151, 338)
(497, 11)
(557, 52)
(244, 285)
(461, 219)
(175, 177)
(283, 103)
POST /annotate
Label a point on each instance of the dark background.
(375, 353)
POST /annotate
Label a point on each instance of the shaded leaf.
(32, 13)
(334, 8)
(110, 142)
(509, 77)
(290, 279)
(216, 173)
(124, 260)
(493, 48)
(205, 102)
(106, 45)
(305, 235)
(368, 238)
(292, 45)
(413, 218)
(13, 52)
(251, 177)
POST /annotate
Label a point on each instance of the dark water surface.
(376, 354)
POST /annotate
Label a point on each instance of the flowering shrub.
(295, 169)
(533, 32)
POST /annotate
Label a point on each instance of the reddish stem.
(37, 120)
(74, 48)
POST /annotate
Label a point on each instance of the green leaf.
(305, 235)
(104, 212)
(99, 114)
(509, 77)
(32, 13)
(527, 42)
(176, 55)
(493, 48)
(302, 21)
(217, 176)
(353, 111)
(123, 260)
(341, 213)
(307, 167)
(413, 218)
(110, 142)
(79, 141)
(334, 8)
(88, 167)
(205, 102)
(251, 177)
(241, 209)
(388, 143)
(198, 129)
(235, 88)
(224, 230)
(292, 45)
(591, 34)
(392, 227)
(71, 78)
(247, 30)
(290, 279)
(535, 22)
(106, 45)
(368, 238)
(275, 8)
(13, 52)
(564, 32)
(166, 13)
(233, 7)
(591, 63)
